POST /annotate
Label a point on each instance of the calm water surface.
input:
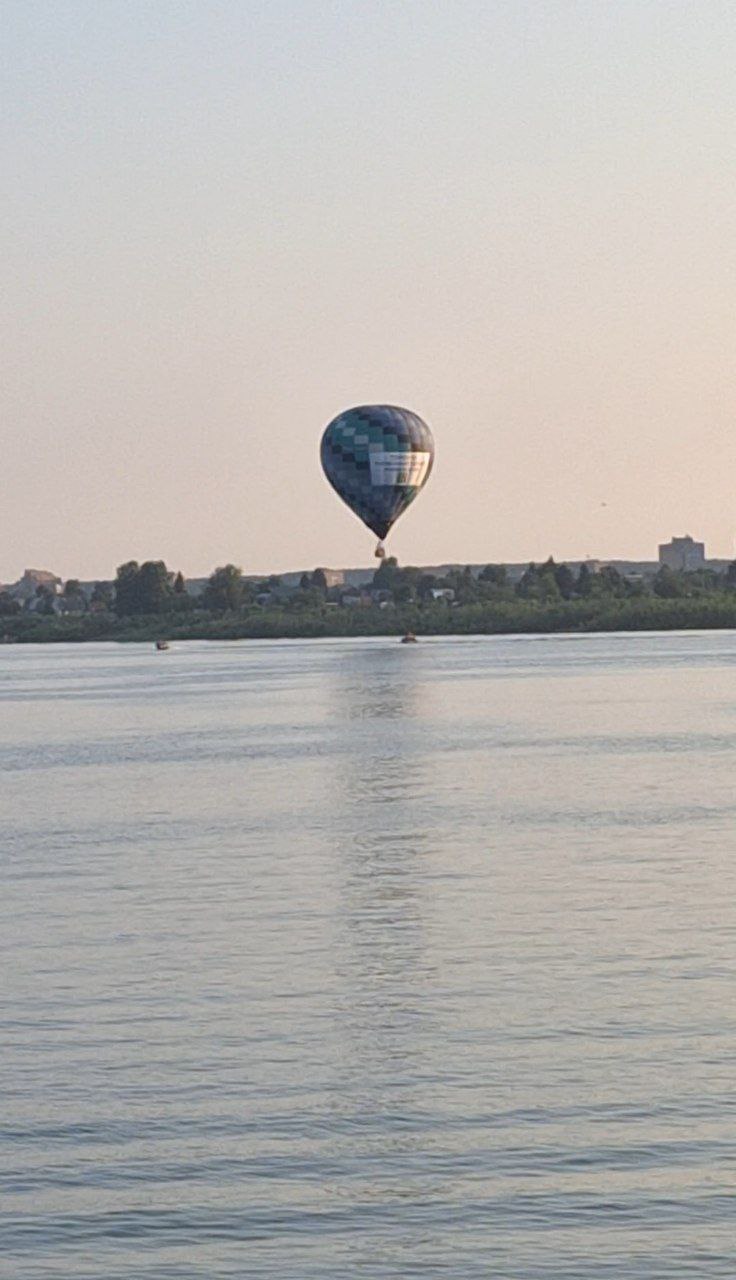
(341, 959)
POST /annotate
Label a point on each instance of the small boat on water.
(409, 638)
(162, 644)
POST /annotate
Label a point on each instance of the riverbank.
(711, 612)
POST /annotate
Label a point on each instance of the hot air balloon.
(377, 458)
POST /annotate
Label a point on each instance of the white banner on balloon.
(399, 468)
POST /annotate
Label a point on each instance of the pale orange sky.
(228, 221)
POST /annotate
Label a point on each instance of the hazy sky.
(226, 220)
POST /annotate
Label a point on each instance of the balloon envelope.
(378, 458)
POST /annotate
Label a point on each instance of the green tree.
(609, 582)
(225, 590)
(388, 574)
(144, 589)
(306, 600)
(584, 583)
(494, 575)
(154, 587)
(74, 595)
(425, 586)
(527, 584)
(8, 606)
(669, 585)
(126, 590)
(103, 595)
(43, 600)
(404, 592)
(565, 580)
(465, 586)
(180, 586)
(539, 583)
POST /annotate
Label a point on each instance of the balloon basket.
(380, 552)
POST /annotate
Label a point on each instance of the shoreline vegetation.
(148, 602)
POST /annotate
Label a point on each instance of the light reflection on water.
(345, 959)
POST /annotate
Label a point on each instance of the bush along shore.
(148, 602)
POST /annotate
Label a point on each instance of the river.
(338, 959)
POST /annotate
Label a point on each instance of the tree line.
(150, 599)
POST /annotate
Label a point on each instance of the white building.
(682, 554)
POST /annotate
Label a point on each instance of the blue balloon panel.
(377, 458)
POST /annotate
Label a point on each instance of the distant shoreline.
(516, 617)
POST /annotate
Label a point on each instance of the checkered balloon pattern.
(377, 458)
